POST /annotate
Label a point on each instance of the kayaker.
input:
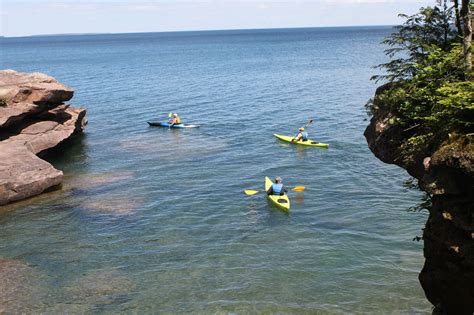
(277, 188)
(175, 120)
(301, 135)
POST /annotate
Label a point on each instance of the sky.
(40, 17)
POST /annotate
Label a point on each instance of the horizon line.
(199, 30)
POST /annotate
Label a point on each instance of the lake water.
(152, 219)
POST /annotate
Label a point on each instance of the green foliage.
(431, 93)
(455, 106)
(438, 96)
(417, 143)
(411, 41)
(3, 103)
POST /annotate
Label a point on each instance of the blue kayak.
(167, 125)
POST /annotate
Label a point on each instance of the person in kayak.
(175, 120)
(277, 188)
(301, 135)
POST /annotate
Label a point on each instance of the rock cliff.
(33, 120)
(445, 171)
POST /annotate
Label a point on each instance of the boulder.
(26, 94)
(43, 135)
(33, 120)
(23, 174)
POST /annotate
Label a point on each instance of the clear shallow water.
(155, 220)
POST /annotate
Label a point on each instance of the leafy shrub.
(431, 89)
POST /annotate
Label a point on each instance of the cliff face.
(33, 120)
(446, 172)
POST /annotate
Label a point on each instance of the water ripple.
(153, 220)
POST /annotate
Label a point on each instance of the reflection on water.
(298, 199)
(177, 135)
(301, 152)
(73, 150)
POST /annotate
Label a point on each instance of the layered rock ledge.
(33, 120)
(445, 172)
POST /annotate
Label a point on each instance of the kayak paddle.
(169, 117)
(251, 192)
(308, 123)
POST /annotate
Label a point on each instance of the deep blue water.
(154, 219)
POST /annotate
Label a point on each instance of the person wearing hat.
(301, 135)
(175, 120)
(277, 188)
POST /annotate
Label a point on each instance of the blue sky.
(34, 17)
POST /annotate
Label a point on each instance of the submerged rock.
(21, 291)
(98, 289)
(93, 180)
(33, 120)
(118, 204)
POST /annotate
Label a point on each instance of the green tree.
(430, 89)
(411, 41)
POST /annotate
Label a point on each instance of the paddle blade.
(250, 192)
(308, 123)
(298, 188)
(169, 115)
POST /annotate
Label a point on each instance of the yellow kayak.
(282, 202)
(309, 143)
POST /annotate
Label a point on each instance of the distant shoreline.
(200, 31)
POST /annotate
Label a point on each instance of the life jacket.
(277, 188)
(178, 120)
(304, 135)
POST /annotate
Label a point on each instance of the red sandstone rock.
(34, 120)
(29, 93)
(23, 174)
